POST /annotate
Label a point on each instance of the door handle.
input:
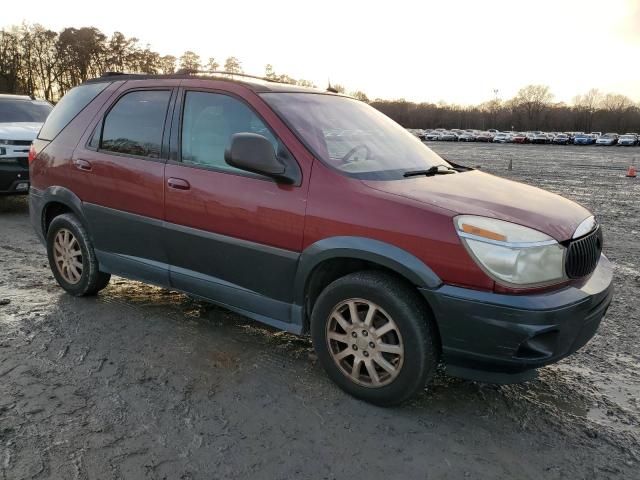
(178, 184)
(82, 164)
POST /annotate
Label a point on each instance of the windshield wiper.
(435, 170)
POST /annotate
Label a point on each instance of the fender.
(375, 251)
(40, 199)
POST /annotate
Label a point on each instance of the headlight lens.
(511, 253)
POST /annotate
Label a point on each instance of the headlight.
(511, 253)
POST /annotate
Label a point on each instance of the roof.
(15, 97)
(257, 84)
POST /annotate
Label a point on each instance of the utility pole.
(495, 107)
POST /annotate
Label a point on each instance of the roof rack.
(113, 74)
(189, 71)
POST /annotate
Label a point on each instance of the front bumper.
(14, 176)
(504, 338)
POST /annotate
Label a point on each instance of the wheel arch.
(56, 201)
(331, 258)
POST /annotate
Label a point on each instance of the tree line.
(532, 108)
(43, 63)
(40, 62)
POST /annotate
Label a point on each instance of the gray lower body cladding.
(492, 336)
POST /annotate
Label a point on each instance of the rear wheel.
(72, 258)
(374, 337)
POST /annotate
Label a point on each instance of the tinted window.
(67, 108)
(208, 122)
(23, 110)
(134, 125)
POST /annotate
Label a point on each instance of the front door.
(232, 236)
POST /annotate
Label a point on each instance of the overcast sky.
(458, 52)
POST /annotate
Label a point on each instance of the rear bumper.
(36, 204)
(503, 338)
(14, 178)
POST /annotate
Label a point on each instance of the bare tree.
(232, 65)
(167, 64)
(586, 105)
(44, 62)
(617, 108)
(614, 102)
(360, 95)
(533, 100)
(190, 61)
(305, 83)
(212, 65)
(10, 67)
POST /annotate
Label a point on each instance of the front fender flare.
(362, 248)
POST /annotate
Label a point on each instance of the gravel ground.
(145, 383)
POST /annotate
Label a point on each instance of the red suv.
(313, 212)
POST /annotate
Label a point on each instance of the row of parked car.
(557, 138)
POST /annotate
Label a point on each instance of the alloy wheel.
(67, 256)
(365, 343)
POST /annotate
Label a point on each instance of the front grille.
(583, 254)
(22, 143)
(22, 161)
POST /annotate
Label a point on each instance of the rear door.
(232, 236)
(124, 157)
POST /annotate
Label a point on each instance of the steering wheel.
(347, 157)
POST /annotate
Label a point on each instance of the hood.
(478, 193)
(19, 130)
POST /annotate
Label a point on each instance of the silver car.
(467, 137)
(448, 137)
(628, 140)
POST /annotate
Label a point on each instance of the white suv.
(20, 120)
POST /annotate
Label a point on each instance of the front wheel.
(72, 258)
(375, 337)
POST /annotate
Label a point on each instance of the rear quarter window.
(68, 107)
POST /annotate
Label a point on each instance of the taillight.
(32, 153)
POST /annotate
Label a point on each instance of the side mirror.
(254, 153)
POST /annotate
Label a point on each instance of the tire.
(395, 303)
(79, 277)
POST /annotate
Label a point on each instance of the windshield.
(23, 110)
(352, 136)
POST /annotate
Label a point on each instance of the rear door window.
(68, 107)
(135, 124)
